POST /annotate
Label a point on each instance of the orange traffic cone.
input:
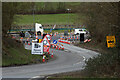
(55, 34)
(43, 58)
(28, 43)
(74, 37)
(53, 45)
(77, 37)
(59, 47)
(71, 37)
(52, 54)
(56, 46)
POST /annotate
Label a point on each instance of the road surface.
(71, 59)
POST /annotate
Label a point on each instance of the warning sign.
(40, 40)
(110, 41)
(37, 48)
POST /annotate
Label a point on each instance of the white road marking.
(36, 77)
(80, 61)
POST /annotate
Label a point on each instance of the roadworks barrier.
(64, 41)
(57, 47)
(87, 40)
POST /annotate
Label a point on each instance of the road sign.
(46, 48)
(48, 37)
(37, 48)
(40, 40)
(55, 41)
(110, 41)
(45, 41)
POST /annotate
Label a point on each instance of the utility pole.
(68, 15)
(33, 16)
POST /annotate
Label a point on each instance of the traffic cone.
(74, 37)
(36, 36)
(59, 47)
(21, 38)
(71, 37)
(77, 37)
(25, 43)
(43, 58)
(53, 45)
(55, 34)
(56, 46)
(52, 54)
(28, 43)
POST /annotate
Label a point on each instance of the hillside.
(46, 19)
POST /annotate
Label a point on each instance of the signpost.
(110, 41)
(37, 48)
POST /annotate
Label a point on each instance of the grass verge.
(14, 54)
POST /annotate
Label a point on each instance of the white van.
(78, 31)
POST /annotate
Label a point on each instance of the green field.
(46, 19)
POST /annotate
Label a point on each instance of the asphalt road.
(71, 59)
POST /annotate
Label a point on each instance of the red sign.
(46, 48)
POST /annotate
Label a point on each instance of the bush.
(105, 65)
